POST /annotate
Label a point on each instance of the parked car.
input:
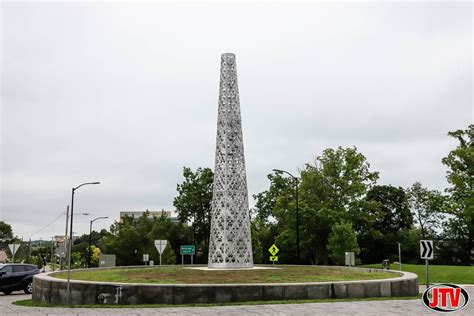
(17, 277)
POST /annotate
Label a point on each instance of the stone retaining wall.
(48, 289)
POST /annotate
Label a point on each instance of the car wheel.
(29, 288)
(8, 292)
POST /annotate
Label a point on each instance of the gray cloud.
(126, 94)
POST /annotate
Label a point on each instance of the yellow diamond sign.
(273, 250)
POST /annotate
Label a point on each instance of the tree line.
(341, 208)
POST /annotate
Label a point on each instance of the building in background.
(3, 256)
(59, 239)
(137, 214)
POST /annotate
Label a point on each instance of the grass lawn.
(30, 303)
(180, 275)
(437, 274)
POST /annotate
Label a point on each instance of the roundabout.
(177, 285)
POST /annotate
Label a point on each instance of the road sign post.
(350, 258)
(426, 252)
(187, 250)
(160, 246)
(146, 258)
(273, 250)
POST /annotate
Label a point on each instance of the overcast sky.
(126, 94)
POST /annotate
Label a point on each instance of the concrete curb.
(48, 289)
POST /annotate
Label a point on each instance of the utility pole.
(52, 253)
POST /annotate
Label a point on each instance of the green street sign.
(187, 250)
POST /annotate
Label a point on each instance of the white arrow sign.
(13, 248)
(160, 245)
(426, 249)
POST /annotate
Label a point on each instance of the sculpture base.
(225, 266)
(230, 269)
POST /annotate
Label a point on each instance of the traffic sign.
(350, 258)
(273, 250)
(13, 248)
(273, 258)
(187, 250)
(160, 245)
(426, 252)
(146, 257)
(61, 250)
(426, 249)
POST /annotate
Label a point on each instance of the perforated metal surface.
(230, 241)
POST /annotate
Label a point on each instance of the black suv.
(17, 277)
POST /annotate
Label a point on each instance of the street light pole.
(90, 239)
(66, 247)
(297, 213)
(70, 239)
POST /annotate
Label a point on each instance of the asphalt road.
(389, 307)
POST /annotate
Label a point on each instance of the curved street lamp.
(90, 238)
(297, 213)
(70, 238)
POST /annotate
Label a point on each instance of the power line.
(46, 226)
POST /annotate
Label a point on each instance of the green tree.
(332, 190)
(38, 261)
(81, 244)
(275, 220)
(263, 236)
(6, 232)
(168, 256)
(392, 220)
(126, 241)
(193, 204)
(427, 207)
(78, 261)
(130, 238)
(394, 212)
(460, 175)
(281, 191)
(341, 239)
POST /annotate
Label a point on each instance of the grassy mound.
(180, 275)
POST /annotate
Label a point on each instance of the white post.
(400, 256)
(426, 274)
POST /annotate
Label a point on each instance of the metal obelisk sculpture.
(230, 244)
